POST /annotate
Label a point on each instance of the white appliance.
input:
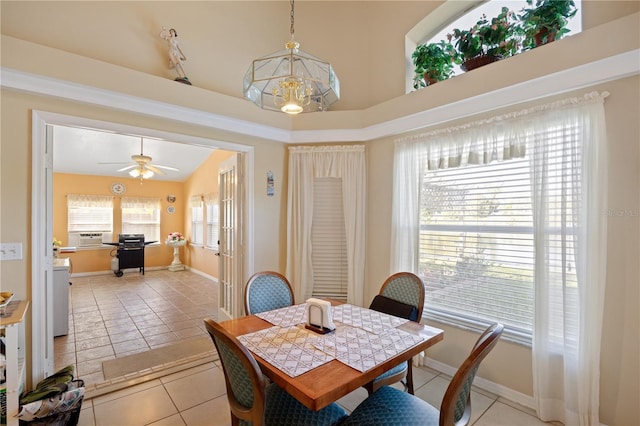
(89, 239)
(61, 296)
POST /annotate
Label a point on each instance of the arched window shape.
(464, 14)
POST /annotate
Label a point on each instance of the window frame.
(154, 222)
(197, 221)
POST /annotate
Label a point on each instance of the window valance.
(140, 202)
(83, 200)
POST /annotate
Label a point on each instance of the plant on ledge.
(487, 41)
(433, 62)
(545, 22)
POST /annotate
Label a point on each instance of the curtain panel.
(569, 199)
(305, 164)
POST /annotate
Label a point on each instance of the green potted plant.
(433, 62)
(487, 41)
(545, 22)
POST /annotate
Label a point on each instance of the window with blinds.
(477, 237)
(197, 222)
(88, 213)
(328, 240)
(213, 221)
(141, 216)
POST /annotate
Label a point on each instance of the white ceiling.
(81, 151)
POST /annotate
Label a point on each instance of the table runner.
(363, 339)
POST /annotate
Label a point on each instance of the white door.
(42, 264)
(231, 249)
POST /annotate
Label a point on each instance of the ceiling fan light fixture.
(141, 172)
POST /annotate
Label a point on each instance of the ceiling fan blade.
(167, 168)
(153, 169)
(127, 168)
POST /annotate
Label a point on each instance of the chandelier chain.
(291, 30)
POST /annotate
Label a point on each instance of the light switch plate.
(10, 251)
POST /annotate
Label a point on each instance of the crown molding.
(607, 69)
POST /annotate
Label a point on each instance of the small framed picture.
(171, 198)
(171, 210)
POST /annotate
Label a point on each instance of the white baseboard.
(149, 268)
(487, 385)
(202, 274)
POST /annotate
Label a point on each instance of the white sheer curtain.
(568, 318)
(305, 164)
(569, 198)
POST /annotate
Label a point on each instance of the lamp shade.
(291, 81)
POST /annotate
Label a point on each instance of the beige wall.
(202, 182)
(509, 365)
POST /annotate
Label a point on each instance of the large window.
(476, 243)
(213, 220)
(141, 216)
(89, 217)
(329, 241)
(498, 219)
(197, 221)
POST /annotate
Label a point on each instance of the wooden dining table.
(329, 382)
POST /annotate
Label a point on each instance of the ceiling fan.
(142, 166)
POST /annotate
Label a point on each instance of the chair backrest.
(265, 291)
(407, 288)
(244, 380)
(456, 403)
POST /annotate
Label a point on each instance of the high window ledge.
(545, 71)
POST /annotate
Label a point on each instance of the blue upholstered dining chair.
(265, 291)
(407, 290)
(390, 406)
(251, 400)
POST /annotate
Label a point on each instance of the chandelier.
(291, 80)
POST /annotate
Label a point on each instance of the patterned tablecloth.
(363, 339)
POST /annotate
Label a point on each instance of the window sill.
(509, 334)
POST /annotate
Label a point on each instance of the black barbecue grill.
(130, 252)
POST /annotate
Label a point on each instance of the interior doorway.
(43, 148)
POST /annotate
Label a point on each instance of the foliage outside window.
(197, 220)
(141, 216)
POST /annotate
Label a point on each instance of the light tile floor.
(111, 317)
(163, 307)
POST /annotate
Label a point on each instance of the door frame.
(41, 213)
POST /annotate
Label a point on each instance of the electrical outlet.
(10, 251)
